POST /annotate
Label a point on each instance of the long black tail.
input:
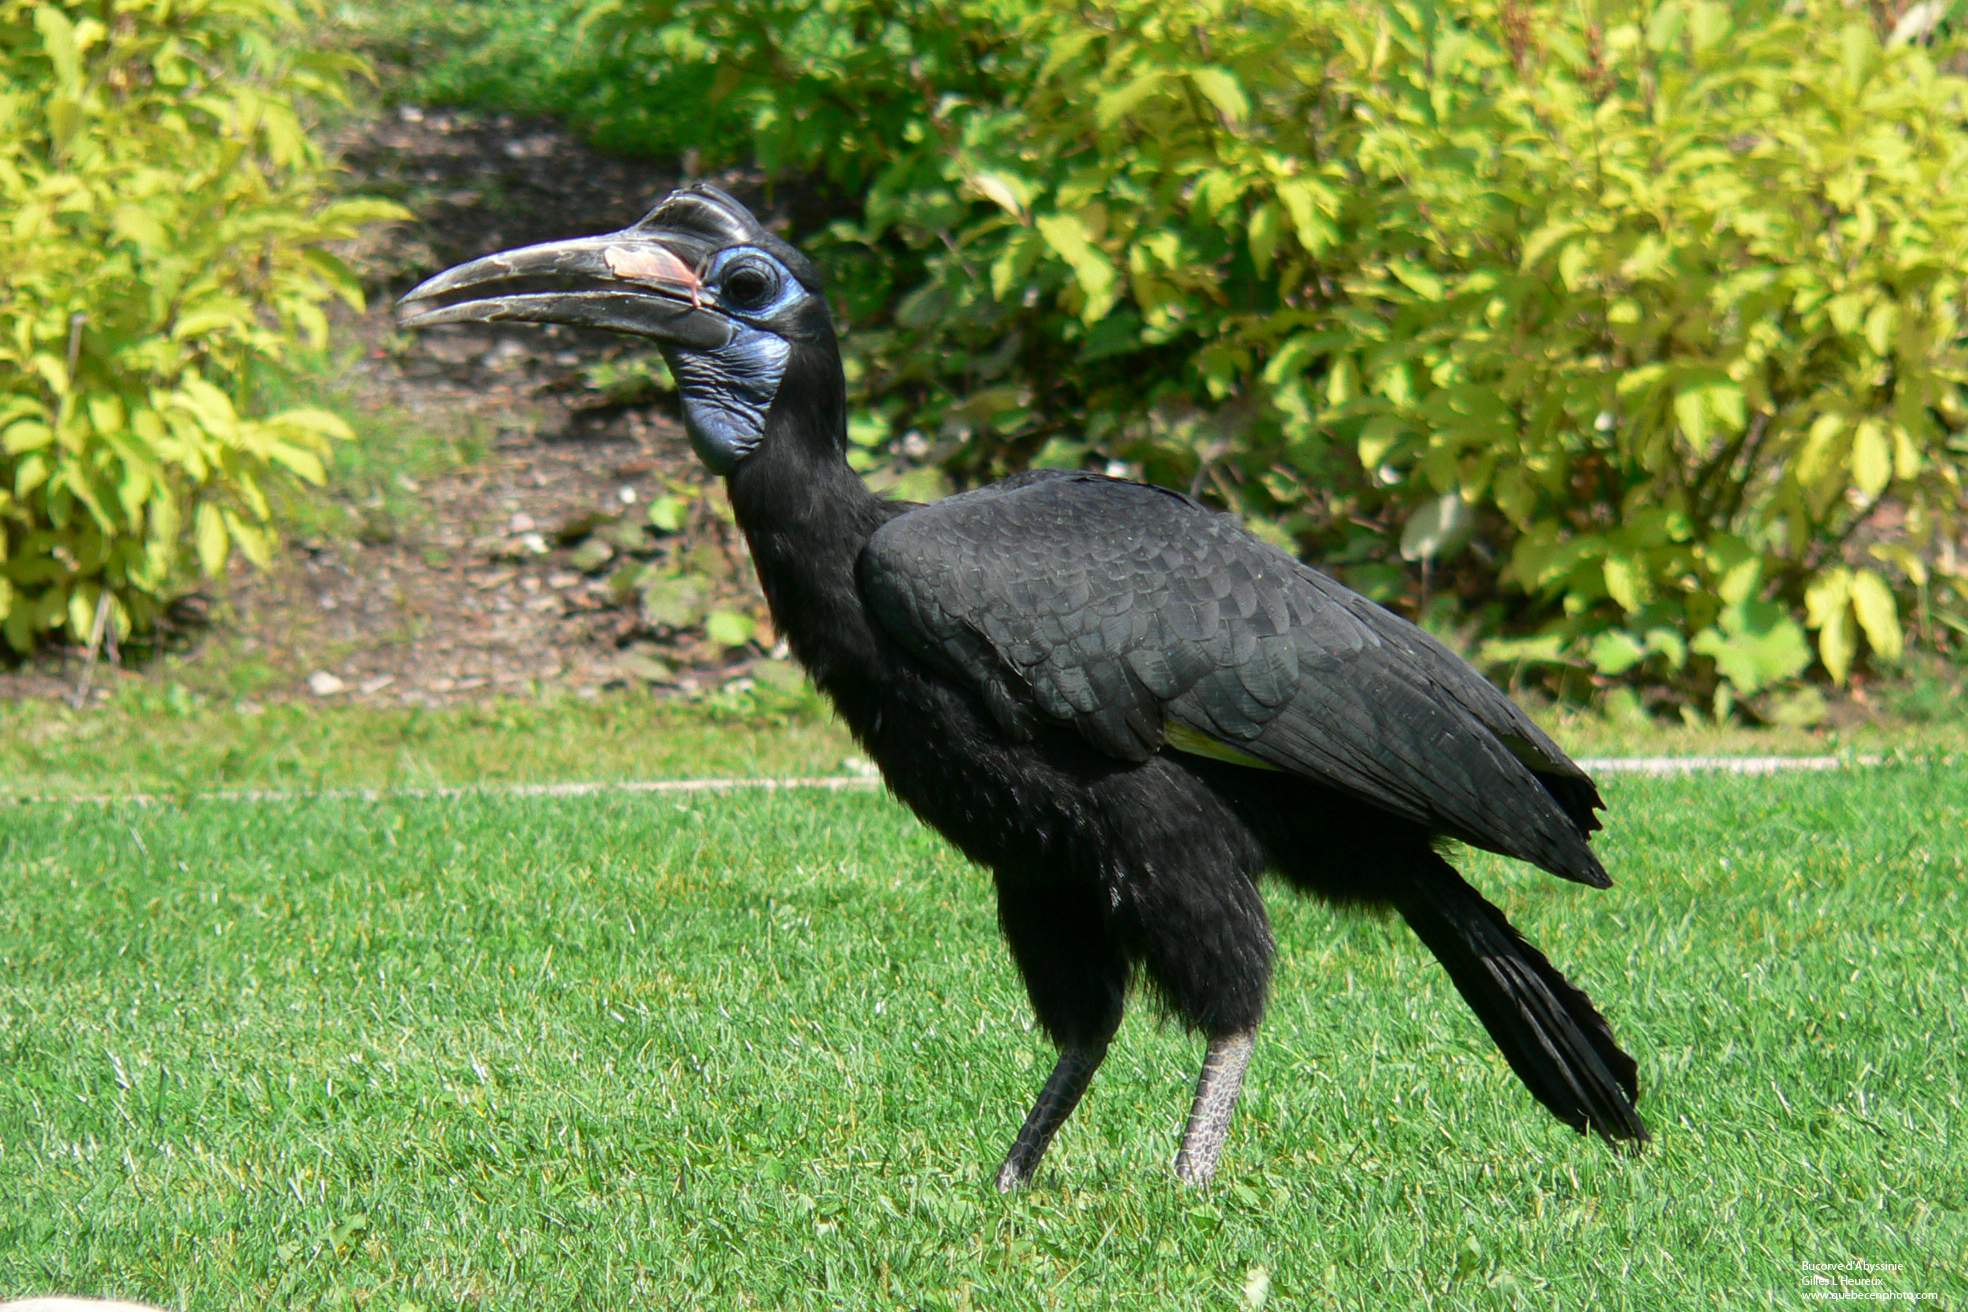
(1555, 1040)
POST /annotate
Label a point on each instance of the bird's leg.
(1216, 1097)
(1057, 1099)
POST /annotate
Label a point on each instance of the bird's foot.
(1015, 1174)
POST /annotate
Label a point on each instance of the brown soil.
(522, 564)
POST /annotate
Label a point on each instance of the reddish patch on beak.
(655, 265)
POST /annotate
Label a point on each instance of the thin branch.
(81, 696)
(1714, 484)
(75, 322)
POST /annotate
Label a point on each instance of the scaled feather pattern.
(1118, 608)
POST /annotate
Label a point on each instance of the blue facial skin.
(726, 393)
(728, 390)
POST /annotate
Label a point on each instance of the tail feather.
(1549, 1031)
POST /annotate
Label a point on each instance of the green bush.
(1660, 311)
(522, 57)
(162, 214)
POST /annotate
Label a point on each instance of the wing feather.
(1120, 610)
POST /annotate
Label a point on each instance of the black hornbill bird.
(1121, 703)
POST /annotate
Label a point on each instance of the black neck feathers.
(807, 515)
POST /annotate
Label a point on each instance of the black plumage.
(1124, 705)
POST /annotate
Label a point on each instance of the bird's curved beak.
(634, 281)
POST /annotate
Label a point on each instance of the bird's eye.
(750, 286)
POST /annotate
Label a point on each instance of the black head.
(732, 305)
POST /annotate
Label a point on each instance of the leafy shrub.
(162, 214)
(1661, 311)
(523, 57)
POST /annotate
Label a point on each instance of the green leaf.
(26, 435)
(252, 540)
(925, 484)
(1738, 583)
(1838, 644)
(730, 628)
(311, 419)
(82, 603)
(216, 315)
(1573, 261)
(141, 226)
(1216, 190)
(1265, 232)
(1222, 90)
(1908, 462)
(1710, 406)
(1857, 47)
(1067, 235)
(1626, 582)
(1120, 102)
(1541, 242)
(1800, 708)
(1815, 463)
(1544, 649)
(1692, 415)
(1709, 23)
(59, 44)
(673, 601)
(1828, 609)
(1872, 457)
(1669, 644)
(209, 534)
(1754, 645)
(1417, 279)
(1614, 652)
(1880, 326)
(1826, 594)
(1378, 439)
(1343, 382)
(1879, 616)
(1903, 556)
(302, 461)
(1437, 529)
(1306, 201)
(1003, 190)
(668, 512)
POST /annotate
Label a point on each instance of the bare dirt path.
(495, 534)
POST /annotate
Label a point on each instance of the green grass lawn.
(165, 740)
(765, 1051)
(168, 742)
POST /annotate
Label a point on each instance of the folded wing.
(1147, 622)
